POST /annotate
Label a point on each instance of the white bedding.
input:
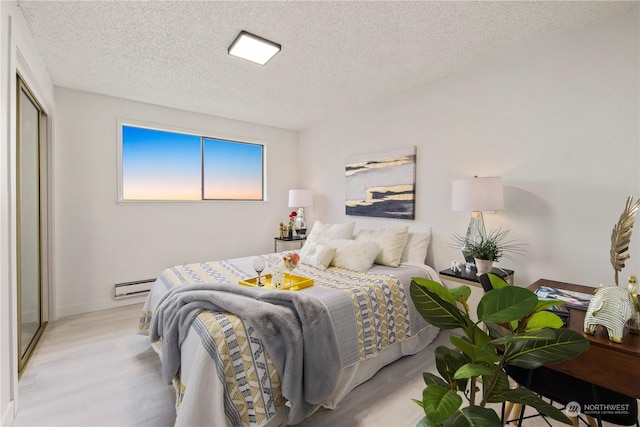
(200, 387)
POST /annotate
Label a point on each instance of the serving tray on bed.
(299, 282)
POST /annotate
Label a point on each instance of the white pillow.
(415, 250)
(391, 241)
(317, 255)
(321, 231)
(352, 255)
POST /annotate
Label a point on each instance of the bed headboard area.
(358, 248)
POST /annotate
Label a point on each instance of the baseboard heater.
(133, 289)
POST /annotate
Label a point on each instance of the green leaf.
(436, 288)
(472, 416)
(501, 384)
(475, 352)
(430, 378)
(469, 370)
(543, 319)
(544, 304)
(528, 398)
(419, 403)
(480, 337)
(519, 338)
(440, 403)
(435, 310)
(497, 282)
(448, 361)
(461, 291)
(506, 304)
(532, 353)
(481, 417)
(497, 331)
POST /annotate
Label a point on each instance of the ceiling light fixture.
(253, 48)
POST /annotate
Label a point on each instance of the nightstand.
(468, 277)
(283, 244)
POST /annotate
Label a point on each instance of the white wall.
(101, 242)
(17, 54)
(558, 122)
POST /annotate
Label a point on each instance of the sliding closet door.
(29, 209)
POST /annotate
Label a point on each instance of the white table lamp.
(476, 195)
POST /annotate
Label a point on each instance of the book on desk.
(571, 299)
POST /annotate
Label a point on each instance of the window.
(232, 170)
(167, 165)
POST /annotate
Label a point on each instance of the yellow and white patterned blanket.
(370, 312)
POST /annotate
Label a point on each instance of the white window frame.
(200, 134)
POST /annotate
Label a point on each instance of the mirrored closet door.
(30, 213)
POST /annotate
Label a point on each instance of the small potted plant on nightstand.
(488, 248)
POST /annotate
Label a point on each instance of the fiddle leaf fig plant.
(521, 332)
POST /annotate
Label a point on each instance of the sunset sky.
(232, 170)
(162, 165)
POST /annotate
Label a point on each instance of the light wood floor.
(94, 370)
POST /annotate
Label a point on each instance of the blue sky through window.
(163, 165)
(232, 170)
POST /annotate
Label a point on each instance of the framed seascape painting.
(382, 184)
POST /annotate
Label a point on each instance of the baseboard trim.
(73, 309)
(9, 414)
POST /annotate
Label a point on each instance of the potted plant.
(488, 248)
(521, 332)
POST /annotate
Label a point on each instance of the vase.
(290, 233)
(300, 226)
(483, 266)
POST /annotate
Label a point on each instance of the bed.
(353, 321)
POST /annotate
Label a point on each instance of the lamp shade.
(300, 198)
(476, 194)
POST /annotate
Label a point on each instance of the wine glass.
(291, 262)
(258, 266)
(290, 266)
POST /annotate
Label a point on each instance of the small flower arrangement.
(289, 262)
(292, 258)
(292, 219)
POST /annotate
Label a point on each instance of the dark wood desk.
(610, 365)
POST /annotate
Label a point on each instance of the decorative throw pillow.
(391, 241)
(317, 255)
(322, 231)
(415, 251)
(353, 255)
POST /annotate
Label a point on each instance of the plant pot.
(483, 266)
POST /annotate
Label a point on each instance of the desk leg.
(508, 408)
(592, 421)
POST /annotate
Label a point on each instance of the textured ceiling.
(336, 56)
